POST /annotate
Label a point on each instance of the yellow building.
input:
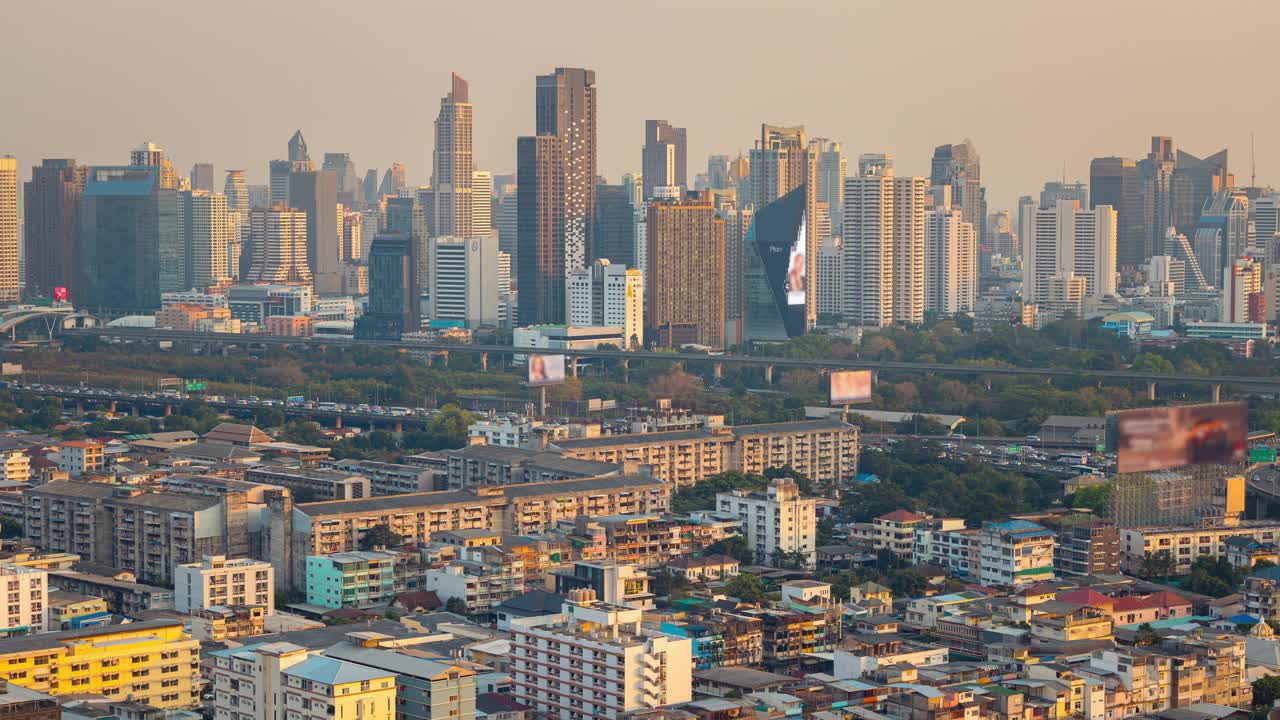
(72, 611)
(281, 679)
(152, 662)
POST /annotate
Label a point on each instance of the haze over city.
(1034, 85)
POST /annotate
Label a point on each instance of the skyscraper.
(909, 206)
(206, 237)
(663, 161)
(393, 304)
(566, 109)
(451, 163)
(1115, 181)
(736, 223)
(782, 161)
(393, 180)
(278, 238)
(298, 148)
(202, 177)
(9, 285)
(960, 167)
(150, 154)
(280, 171)
(950, 261)
(465, 286)
(684, 285)
(614, 233)
(237, 192)
(482, 203)
(1223, 223)
(773, 284)
(370, 187)
(1156, 172)
(51, 201)
(868, 243)
(541, 255)
(608, 294)
(833, 166)
(1055, 190)
(315, 192)
(128, 220)
(1065, 239)
(344, 170)
(1194, 181)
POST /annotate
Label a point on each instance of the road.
(1268, 383)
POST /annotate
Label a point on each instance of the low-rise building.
(283, 680)
(387, 478)
(825, 451)
(426, 689)
(1186, 544)
(222, 623)
(79, 456)
(1015, 552)
(360, 577)
(72, 611)
(27, 608)
(681, 457)
(217, 581)
(311, 484)
(614, 583)
(123, 596)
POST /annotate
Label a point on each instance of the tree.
(1152, 363)
(1094, 497)
(735, 546)
(380, 536)
(908, 583)
(826, 531)
(667, 583)
(1146, 635)
(10, 527)
(746, 587)
(676, 383)
(1159, 564)
(456, 605)
(449, 427)
(1266, 690)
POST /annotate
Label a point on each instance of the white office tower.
(640, 237)
(464, 280)
(505, 305)
(830, 279)
(1064, 239)
(482, 203)
(1241, 281)
(950, 262)
(452, 168)
(279, 242)
(607, 295)
(206, 235)
(352, 226)
(9, 229)
(1166, 276)
(868, 243)
(597, 660)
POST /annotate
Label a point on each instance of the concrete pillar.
(1151, 389)
(719, 371)
(768, 374)
(484, 361)
(626, 370)
(573, 365)
(444, 357)
(133, 410)
(337, 422)
(399, 427)
(168, 410)
(79, 407)
(1217, 392)
(113, 407)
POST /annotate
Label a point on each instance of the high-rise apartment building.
(216, 580)
(1243, 298)
(206, 238)
(352, 236)
(1065, 239)
(780, 521)
(237, 192)
(781, 161)
(1166, 276)
(566, 109)
(950, 262)
(315, 192)
(149, 154)
(344, 173)
(464, 284)
(663, 161)
(685, 281)
(482, 203)
(1116, 181)
(127, 222)
(608, 294)
(51, 200)
(833, 166)
(451, 163)
(202, 177)
(541, 259)
(9, 280)
(278, 239)
(960, 167)
(909, 205)
(1223, 224)
(869, 243)
(831, 279)
(26, 610)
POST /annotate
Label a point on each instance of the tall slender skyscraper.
(482, 203)
(451, 163)
(206, 237)
(237, 192)
(316, 194)
(540, 229)
(909, 206)
(128, 221)
(566, 109)
(950, 261)
(868, 243)
(370, 187)
(345, 171)
(202, 177)
(614, 231)
(298, 148)
(9, 285)
(782, 161)
(393, 180)
(1115, 181)
(684, 286)
(960, 167)
(1195, 180)
(51, 203)
(664, 160)
(833, 166)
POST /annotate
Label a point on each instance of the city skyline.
(243, 124)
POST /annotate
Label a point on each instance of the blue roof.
(866, 478)
(1243, 619)
(329, 671)
(1017, 525)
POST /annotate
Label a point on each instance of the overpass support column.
(719, 371)
(399, 427)
(79, 407)
(768, 374)
(484, 361)
(626, 370)
(1151, 389)
(444, 356)
(168, 410)
(573, 366)
(113, 407)
(337, 422)
(1217, 392)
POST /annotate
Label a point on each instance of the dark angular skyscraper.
(664, 157)
(1195, 181)
(1115, 181)
(52, 199)
(127, 220)
(774, 311)
(615, 226)
(316, 194)
(202, 177)
(959, 166)
(566, 109)
(298, 148)
(393, 300)
(540, 229)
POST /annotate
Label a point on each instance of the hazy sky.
(1035, 84)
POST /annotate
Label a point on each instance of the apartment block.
(283, 680)
(681, 457)
(358, 578)
(425, 689)
(596, 660)
(609, 580)
(778, 520)
(825, 451)
(386, 478)
(312, 483)
(1185, 544)
(217, 581)
(152, 662)
(25, 609)
(78, 457)
(1015, 552)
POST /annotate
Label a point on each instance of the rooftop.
(331, 671)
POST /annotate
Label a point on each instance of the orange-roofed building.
(1159, 606)
(290, 325)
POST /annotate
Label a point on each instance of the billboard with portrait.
(546, 369)
(1161, 438)
(797, 269)
(850, 386)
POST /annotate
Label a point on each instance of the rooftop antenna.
(1253, 163)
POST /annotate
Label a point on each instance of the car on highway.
(1033, 438)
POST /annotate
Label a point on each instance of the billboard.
(60, 294)
(1161, 438)
(797, 281)
(546, 369)
(850, 386)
